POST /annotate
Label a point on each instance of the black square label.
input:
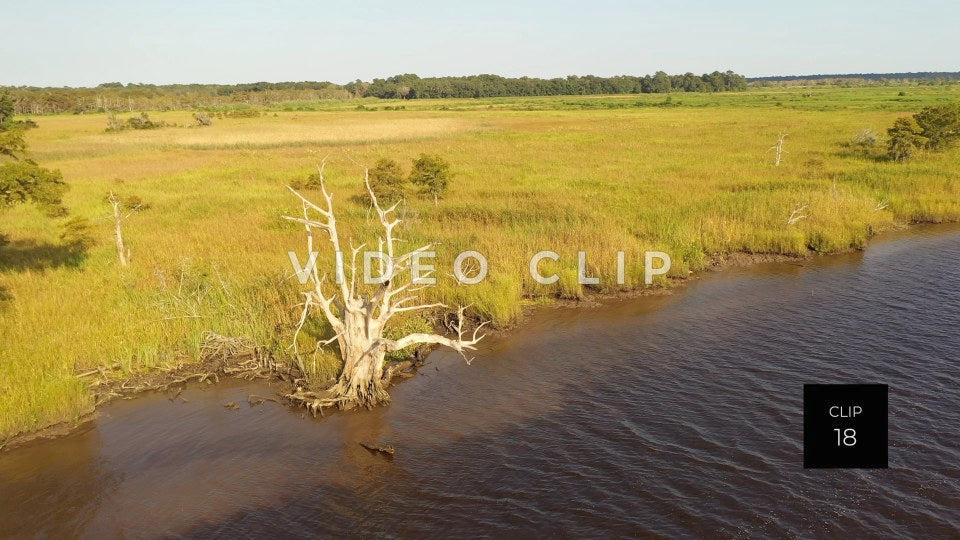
(845, 426)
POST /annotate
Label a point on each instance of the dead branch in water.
(386, 451)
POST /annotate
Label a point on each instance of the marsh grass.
(598, 173)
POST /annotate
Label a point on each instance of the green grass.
(600, 173)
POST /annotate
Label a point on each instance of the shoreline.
(162, 381)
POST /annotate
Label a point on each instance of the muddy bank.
(225, 356)
(222, 357)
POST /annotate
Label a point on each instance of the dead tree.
(122, 251)
(778, 148)
(359, 320)
(797, 214)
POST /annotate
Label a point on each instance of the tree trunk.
(122, 251)
(360, 382)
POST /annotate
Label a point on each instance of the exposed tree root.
(337, 397)
(219, 356)
(242, 358)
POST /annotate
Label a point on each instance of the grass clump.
(142, 121)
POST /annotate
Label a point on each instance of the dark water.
(677, 415)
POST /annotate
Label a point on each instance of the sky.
(69, 43)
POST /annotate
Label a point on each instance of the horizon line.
(850, 75)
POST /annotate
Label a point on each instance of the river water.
(669, 415)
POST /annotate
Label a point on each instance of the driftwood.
(217, 347)
(253, 400)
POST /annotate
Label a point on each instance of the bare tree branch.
(797, 214)
(779, 148)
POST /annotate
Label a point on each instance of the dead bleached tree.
(797, 214)
(118, 217)
(359, 320)
(778, 148)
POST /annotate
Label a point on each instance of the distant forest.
(858, 79)
(475, 86)
(116, 96)
(135, 97)
(908, 76)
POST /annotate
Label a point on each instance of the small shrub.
(312, 182)
(387, 180)
(202, 119)
(939, 126)
(134, 202)
(77, 235)
(865, 139)
(113, 123)
(135, 122)
(129, 202)
(904, 140)
(24, 182)
(143, 122)
(432, 174)
(242, 113)
(934, 128)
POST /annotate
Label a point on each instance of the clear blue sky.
(86, 43)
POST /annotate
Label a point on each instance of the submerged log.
(386, 451)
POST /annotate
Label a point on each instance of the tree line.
(902, 76)
(119, 97)
(410, 86)
(921, 78)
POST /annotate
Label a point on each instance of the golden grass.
(694, 180)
